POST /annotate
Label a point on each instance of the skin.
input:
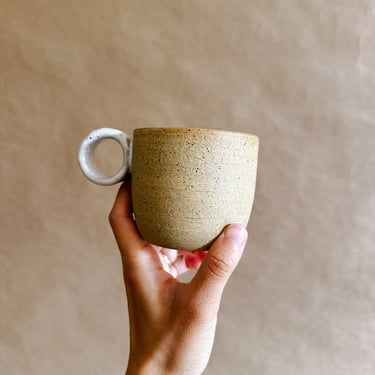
(172, 324)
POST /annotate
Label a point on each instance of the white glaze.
(87, 150)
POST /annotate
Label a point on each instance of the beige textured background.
(300, 74)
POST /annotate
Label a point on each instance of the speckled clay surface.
(189, 183)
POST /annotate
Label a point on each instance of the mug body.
(189, 183)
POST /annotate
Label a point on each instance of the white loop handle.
(86, 156)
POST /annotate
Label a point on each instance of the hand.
(172, 324)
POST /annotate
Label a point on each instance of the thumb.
(219, 264)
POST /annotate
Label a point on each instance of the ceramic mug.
(187, 183)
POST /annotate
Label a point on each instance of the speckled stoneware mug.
(187, 183)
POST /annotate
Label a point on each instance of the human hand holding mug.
(187, 183)
(172, 323)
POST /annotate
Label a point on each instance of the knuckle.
(220, 267)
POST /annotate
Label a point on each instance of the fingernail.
(236, 233)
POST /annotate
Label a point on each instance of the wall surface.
(300, 74)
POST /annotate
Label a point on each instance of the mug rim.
(184, 130)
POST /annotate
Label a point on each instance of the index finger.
(123, 224)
